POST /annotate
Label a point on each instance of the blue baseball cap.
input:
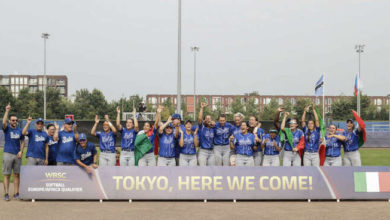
(68, 120)
(82, 137)
(39, 120)
(176, 116)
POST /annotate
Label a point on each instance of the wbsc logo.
(55, 175)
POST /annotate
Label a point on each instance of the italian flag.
(372, 181)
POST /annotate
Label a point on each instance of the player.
(255, 128)
(67, 139)
(351, 145)
(206, 135)
(13, 151)
(312, 139)
(107, 139)
(189, 141)
(38, 148)
(85, 154)
(333, 147)
(149, 159)
(167, 140)
(236, 128)
(244, 144)
(128, 135)
(53, 145)
(222, 132)
(272, 146)
(291, 156)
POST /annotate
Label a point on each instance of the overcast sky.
(128, 47)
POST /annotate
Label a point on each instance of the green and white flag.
(372, 181)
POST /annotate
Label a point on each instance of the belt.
(127, 149)
(107, 151)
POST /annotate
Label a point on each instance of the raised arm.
(93, 131)
(76, 134)
(118, 118)
(276, 119)
(55, 136)
(286, 114)
(46, 154)
(25, 129)
(161, 128)
(136, 127)
(5, 117)
(316, 116)
(177, 131)
(200, 118)
(304, 116)
(113, 129)
(158, 116)
(196, 141)
(181, 141)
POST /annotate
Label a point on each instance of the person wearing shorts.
(38, 148)
(13, 151)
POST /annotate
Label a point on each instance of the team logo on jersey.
(39, 138)
(108, 140)
(86, 155)
(67, 139)
(14, 135)
(51, 142)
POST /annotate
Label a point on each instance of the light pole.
(45, 36)
(178, 107)
(388, 100)
(195, 49)
(359, 49)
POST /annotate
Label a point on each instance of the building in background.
(15, 83)
(261, 100)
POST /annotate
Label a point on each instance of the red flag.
(301, 146)
(322, 153)
(362, 125)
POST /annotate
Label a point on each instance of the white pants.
(206, 157)
(147, 160)
(187, 160)
(352, 158)
(258, 156)
(291, 158)
(311, 159)
(244, 160)
(166, 161)
(107, 159)
(127, 158)
(271, 160)
(222, 155)
(332, 161)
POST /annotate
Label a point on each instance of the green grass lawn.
(370, 157)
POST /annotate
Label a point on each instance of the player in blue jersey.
(149, 159)
(312, 138)
(244, 144)
(351, 145)
(128, 134)
(53, 145)
(291, 156)
(222, 132)
(13, 151)
(167, 141)
(38, 148)
(189, 141)
(67, 139)
(272, 146)
(206, 135)
(85, 154)
(334, 142)
(255, 128)
(236, 128)
(107, 141)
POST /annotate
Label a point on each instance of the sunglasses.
(70, 123)
(292, 123)
(83, 140)
(14, 120)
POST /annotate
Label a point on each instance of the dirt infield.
(193, 210)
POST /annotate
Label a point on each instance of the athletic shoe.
(6, 197)
(16, 196)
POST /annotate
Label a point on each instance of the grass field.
(370, 157)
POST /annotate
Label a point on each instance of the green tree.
(288, 106)
(206, 111)
(237, 106)
(169, 109)
(251, 108)
(5, 98)
(269, 110)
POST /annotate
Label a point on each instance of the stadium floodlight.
(194, 50)
(45, 36)
(359, 49)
